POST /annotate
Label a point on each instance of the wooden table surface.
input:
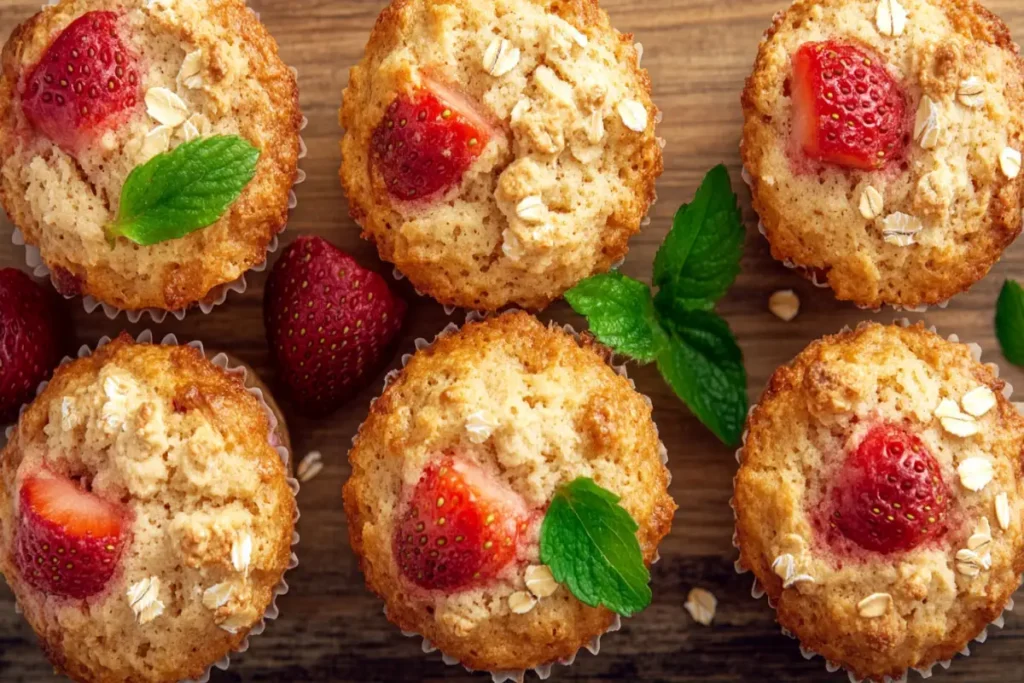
(331, 628)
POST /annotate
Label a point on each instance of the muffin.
(500, 414)
(883, 143)
(145, 518)
(498, 152)
(147, 76)
(878, 500)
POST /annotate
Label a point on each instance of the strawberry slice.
(890, 495)
(69, 541)
(427, 141)
(460, 528)
(847, 109)
(85, 80)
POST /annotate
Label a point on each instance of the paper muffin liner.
(215, 297)
(222, 361)
(757, 590)
(543, 671)
(823, 284)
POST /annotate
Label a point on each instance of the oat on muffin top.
(879, 498)
(498, 152)
(883, 141)
(145, 519)
(510, 410)
(173, 70)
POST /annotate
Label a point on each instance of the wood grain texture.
(331, 629)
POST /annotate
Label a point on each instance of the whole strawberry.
(85, 80)
(329, 324)
(30, 339)
(889, 495)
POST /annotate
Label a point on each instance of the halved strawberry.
(427, 141)
(460, 527)
(69, 540)
(85, 80)
(847, 109)
(890, 495)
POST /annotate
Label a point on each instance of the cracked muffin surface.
(222, 70)
(526, 409)
(566, 171)
(908, 569)
(184, 452)
(930, 223)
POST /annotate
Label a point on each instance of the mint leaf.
(1010, 322)
(590, 544)
(620, 313)
(184, 190)
(704, 366)
(700, 257)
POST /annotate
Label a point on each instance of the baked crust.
(472, 250)
(817, 408)
(970, 209)
(551, 397)
(248, 91)
(220, 477)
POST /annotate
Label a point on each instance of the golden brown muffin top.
(558, 190)
(186, 448)
(535, 409)
(952, 187)
(934, 598)
(221, 63)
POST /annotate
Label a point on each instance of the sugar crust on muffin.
(185, 447)
(969, 209)
(563, 112)
(222, 63)
(813, 411)
(550, 410)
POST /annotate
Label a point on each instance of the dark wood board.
(331, 628)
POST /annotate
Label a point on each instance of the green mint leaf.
(184, 190)
(620, 313)
(589, 542)
(704, 366)
(700, 257)
(1010, 322)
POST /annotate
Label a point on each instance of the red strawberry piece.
(427, 141)
(459, 529)
(330, 323)
(30, 339)
(69, 541)
(890, 495)
(86, 78)
(847, 109)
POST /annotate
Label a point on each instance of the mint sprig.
(676, 328)
(184, 190)
(589, 542)
(1010, 322)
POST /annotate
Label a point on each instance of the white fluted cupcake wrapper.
(543, 671)
(757, 590)
(813, 276)
(223, 362)
(217, 296)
